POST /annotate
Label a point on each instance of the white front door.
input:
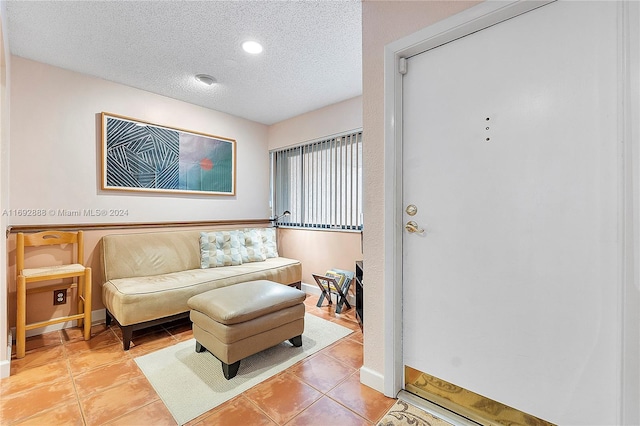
(510, 155)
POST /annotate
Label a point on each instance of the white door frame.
(628, 286)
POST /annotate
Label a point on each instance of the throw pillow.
(252, 250)
(229, 243)
(209, 252)
(269, 242)
(220, 248)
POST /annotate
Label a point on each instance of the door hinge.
(402, 66)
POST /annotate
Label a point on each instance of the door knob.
(413, 228)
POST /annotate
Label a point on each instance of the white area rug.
(191, 383)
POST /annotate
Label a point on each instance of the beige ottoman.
(243, 319)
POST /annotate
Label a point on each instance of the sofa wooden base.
(127, 330)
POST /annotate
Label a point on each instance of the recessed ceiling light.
(205, 79)
(252, 47)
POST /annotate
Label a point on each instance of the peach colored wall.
(55, 161)
(53, 95)
(340, 117)
(56, 150)
(382, 23)
(320, 250)
(253, 137)
(40, 306)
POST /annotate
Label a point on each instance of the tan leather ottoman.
(243, 319)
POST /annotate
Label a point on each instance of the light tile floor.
(66, 380)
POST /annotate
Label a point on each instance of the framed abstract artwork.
(142, 156)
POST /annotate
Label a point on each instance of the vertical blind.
(320, 183)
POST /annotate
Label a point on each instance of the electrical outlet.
(59, 297)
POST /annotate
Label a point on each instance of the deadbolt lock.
(411, 210)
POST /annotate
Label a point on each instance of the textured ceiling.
(312, 49)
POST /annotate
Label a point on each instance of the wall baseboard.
(97, 317)
(310, 289)
(5, 366)
(5, 369)
(373, 379)
(314, 290)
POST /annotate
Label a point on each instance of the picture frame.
(142, 156)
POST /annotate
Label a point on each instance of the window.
(320, 183)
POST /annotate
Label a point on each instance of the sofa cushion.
(245, 301)
(149, 253)
(236, 332)
(138, 299)
(220, 248)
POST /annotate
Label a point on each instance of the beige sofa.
(149, 277)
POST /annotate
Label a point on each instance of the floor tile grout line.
(392, 400)
(282, 373)
(131, 410)
(95, 367)
(75, 390)
(350, 409)
(322, 395)
(258, 407)
(136, 409)
(326, 394)
(24, 370)
(341, 321)
(332, 388)
(355, 369)
(341, 361)
(21, 395)
(113, 385)
(73, 380)
(47, 384)
(36, 387)
(305, 409)
(341, 404)
(70, 375)
(355, 412)
(41, 412)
